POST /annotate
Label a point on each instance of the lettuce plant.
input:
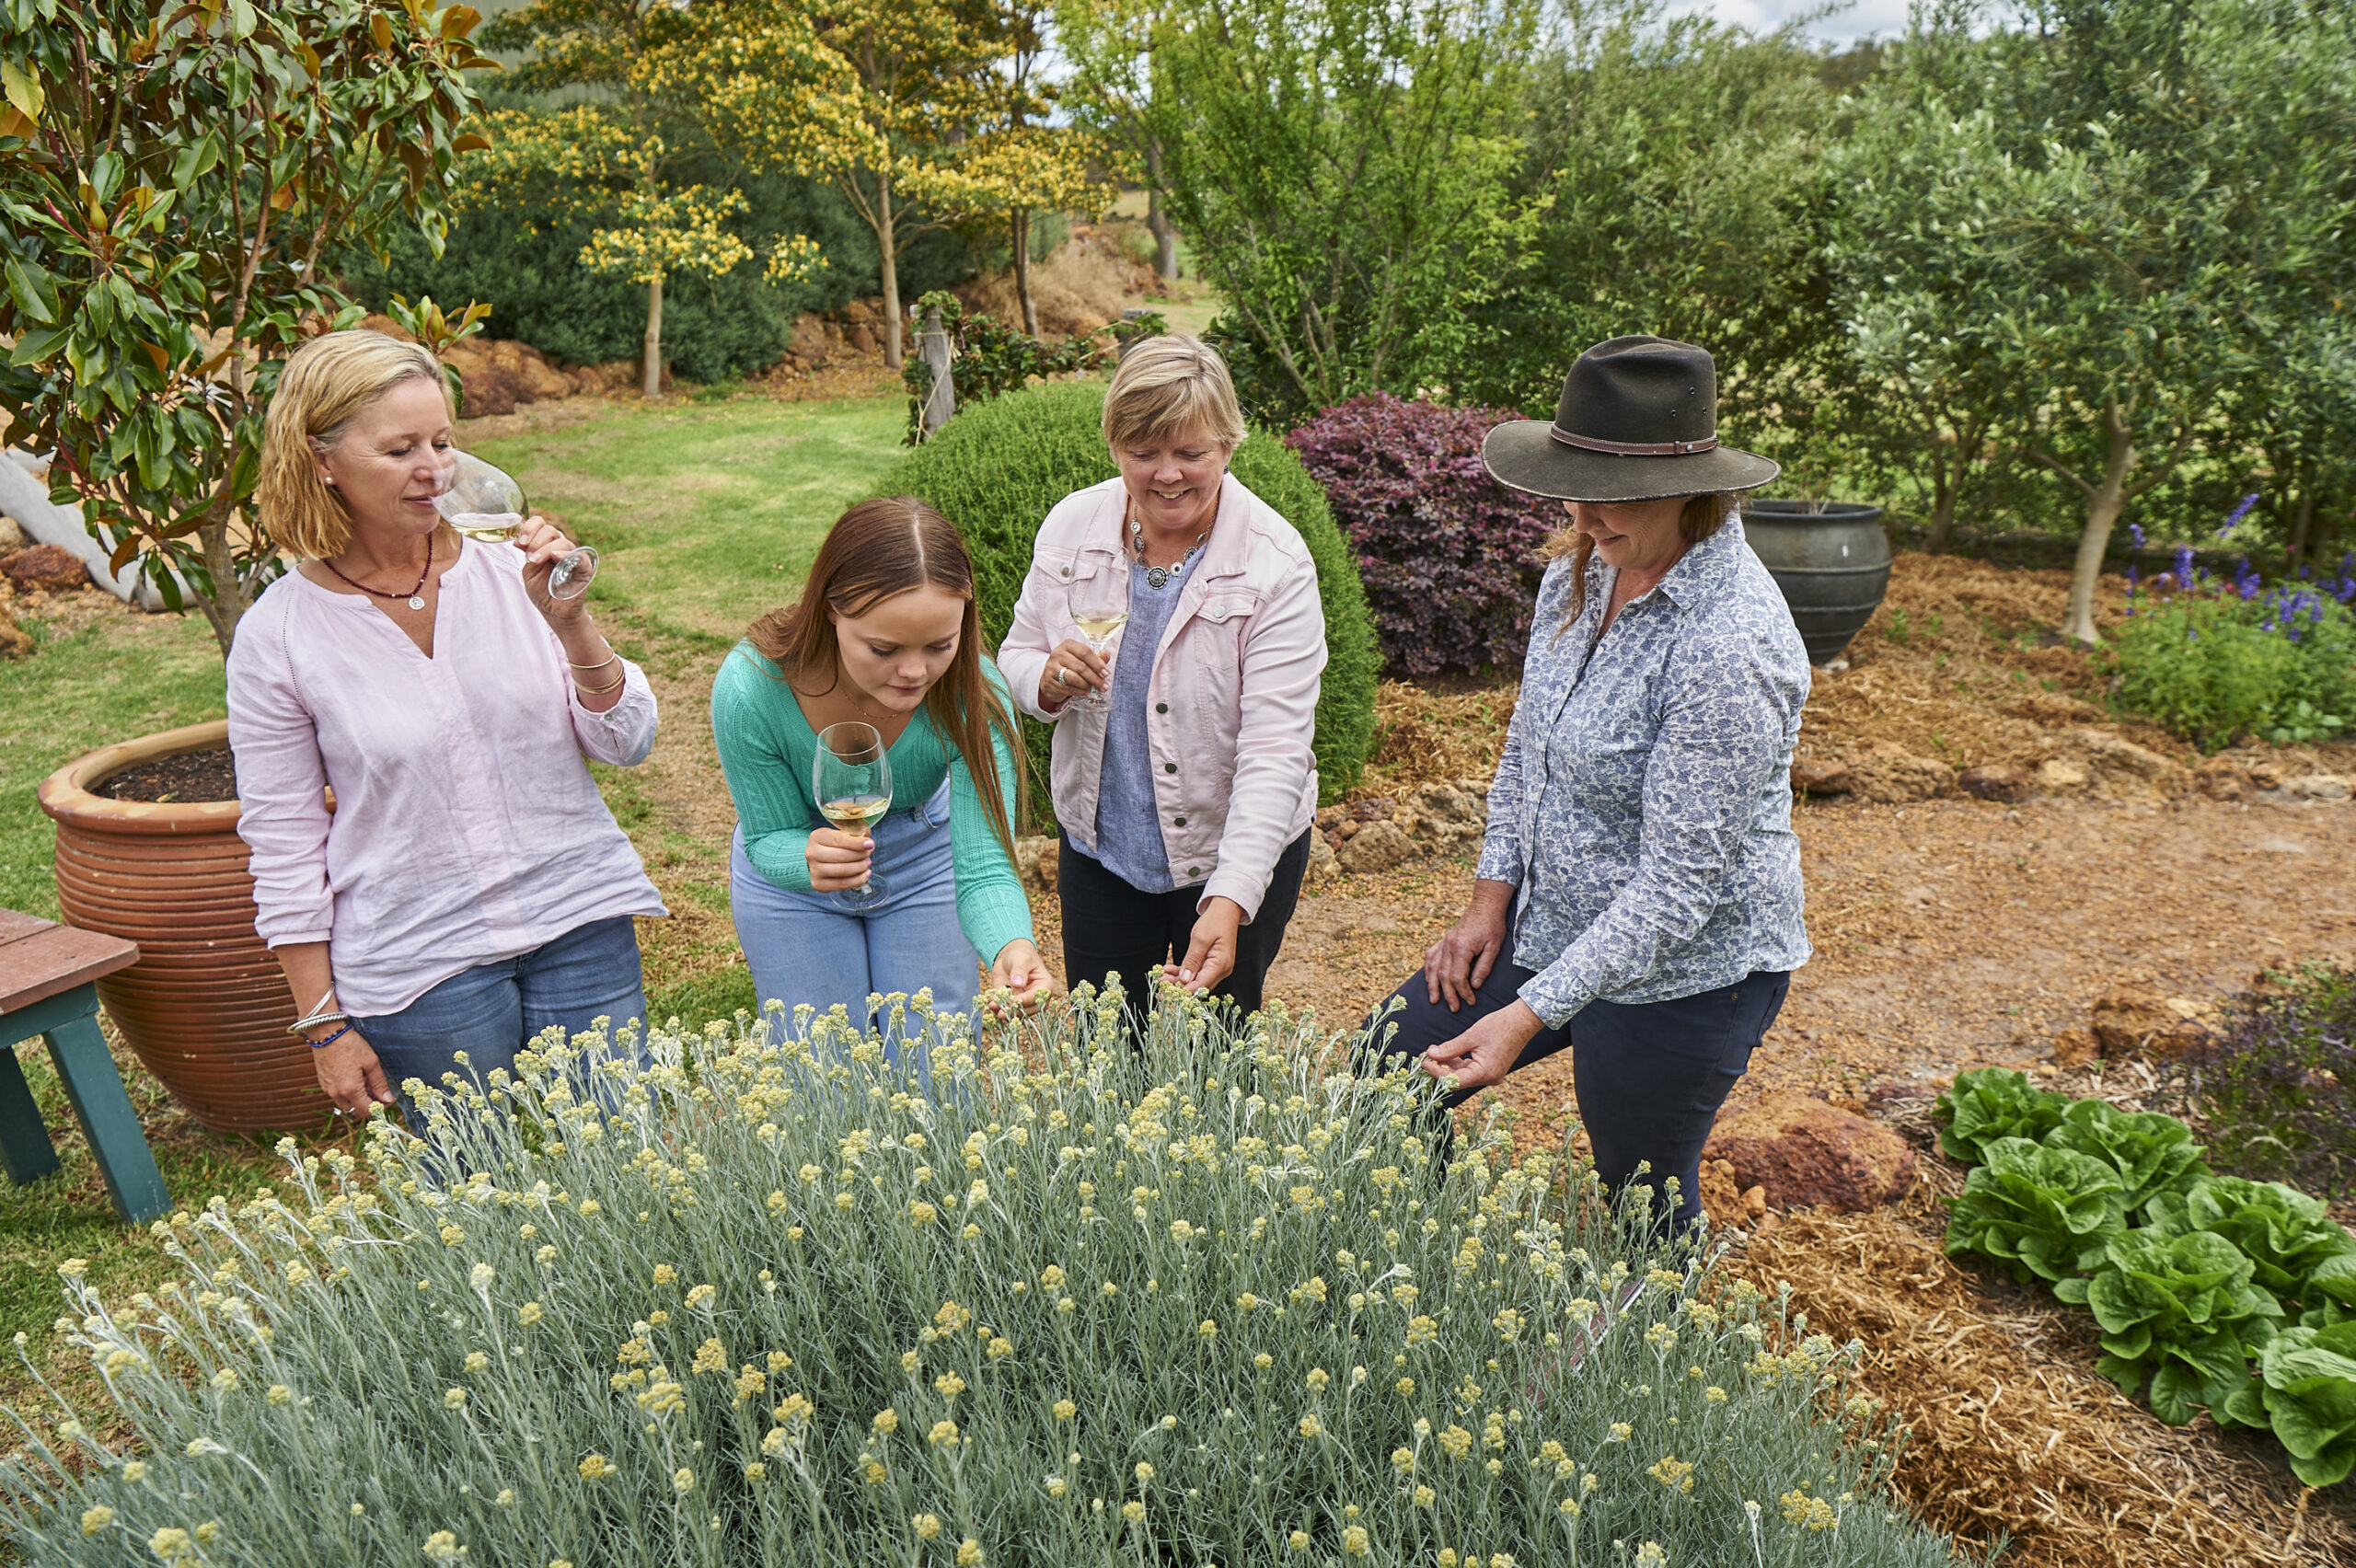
(2329, 1292)
(2285, 1234)
(2180, 1308)
(2153, 1152)
(1990, 1104)
(2305, 1390)
(2038, 1210)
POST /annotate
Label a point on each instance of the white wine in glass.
(483, 504)
(1100, 609)
(850, 777)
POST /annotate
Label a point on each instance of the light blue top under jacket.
(1643, 807)
(1128, 828)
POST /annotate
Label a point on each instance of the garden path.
(1949, 934)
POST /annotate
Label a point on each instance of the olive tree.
(1342, 170)
(2109, 223)
(171, 180)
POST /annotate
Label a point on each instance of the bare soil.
(189, 777)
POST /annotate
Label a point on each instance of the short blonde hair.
(326, 383)
(1171, 384)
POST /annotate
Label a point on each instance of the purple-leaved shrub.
(1448, 556)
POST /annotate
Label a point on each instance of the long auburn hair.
(876, 549)
(1703, 515)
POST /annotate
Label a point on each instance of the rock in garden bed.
(1806, 1152)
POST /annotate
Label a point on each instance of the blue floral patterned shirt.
(1642, 808)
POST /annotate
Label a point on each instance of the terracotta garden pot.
(206, 1007)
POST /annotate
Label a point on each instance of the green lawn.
(706, 513)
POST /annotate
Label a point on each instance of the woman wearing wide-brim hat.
(1638, 896)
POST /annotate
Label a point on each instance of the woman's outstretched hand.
(1210, 956)
(1485, 1053)
(1020, 969)
(1456, 965)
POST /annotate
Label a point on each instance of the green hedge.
(998, 467)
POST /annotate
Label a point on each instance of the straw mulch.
(2012, 1431)
(1961, 665)
(1423, 735)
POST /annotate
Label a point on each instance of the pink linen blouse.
(467, 827)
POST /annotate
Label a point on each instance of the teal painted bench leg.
(25, 1148)
(71, 1026)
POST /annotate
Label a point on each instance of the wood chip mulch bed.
(2012, 1433)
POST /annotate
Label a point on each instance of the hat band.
(1632, 448)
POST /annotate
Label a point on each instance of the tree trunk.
(228, 603)
(2301, 524)
(651, 372)
(1157, 221)
(887, 256)
(1942, 498)
(2104, 503)
(1022, 241)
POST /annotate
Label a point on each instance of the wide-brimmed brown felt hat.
(1638, 421)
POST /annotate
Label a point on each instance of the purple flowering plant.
(2220, 656)
(1448, 555)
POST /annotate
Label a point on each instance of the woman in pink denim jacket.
(1182, 775)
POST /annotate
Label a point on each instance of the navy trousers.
(1110, 927)
(1649, 1076)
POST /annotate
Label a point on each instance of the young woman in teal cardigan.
(885, 634)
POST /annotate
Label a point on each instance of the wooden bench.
(48, 988)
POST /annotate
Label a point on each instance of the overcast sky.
(1885, 18)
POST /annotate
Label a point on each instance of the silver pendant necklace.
(1157, 577)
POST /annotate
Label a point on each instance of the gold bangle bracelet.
(614, 685)
(611, 657)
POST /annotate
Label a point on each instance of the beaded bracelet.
(340, 1033)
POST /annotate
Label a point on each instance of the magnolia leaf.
(22, 89)
(33, 289)
(472, 141)
(381, 29)
(457, 21)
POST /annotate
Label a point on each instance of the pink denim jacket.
(1234, 690)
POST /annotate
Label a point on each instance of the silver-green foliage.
(1209, 1301)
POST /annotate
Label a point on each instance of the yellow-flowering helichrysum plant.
(1071, 1302)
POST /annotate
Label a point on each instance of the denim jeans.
(1649, 1076)
(493, 1010)
(814, 947)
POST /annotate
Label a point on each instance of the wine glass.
(850, 777)
(482, 502)
(1100, 609)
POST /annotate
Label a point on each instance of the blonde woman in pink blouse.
(470, 889)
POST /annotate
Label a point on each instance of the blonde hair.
(1168, 385)
(326, 384)
(1702, 516)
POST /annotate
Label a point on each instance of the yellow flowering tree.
(1021, 164)
(882, 100)
(590, 163)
